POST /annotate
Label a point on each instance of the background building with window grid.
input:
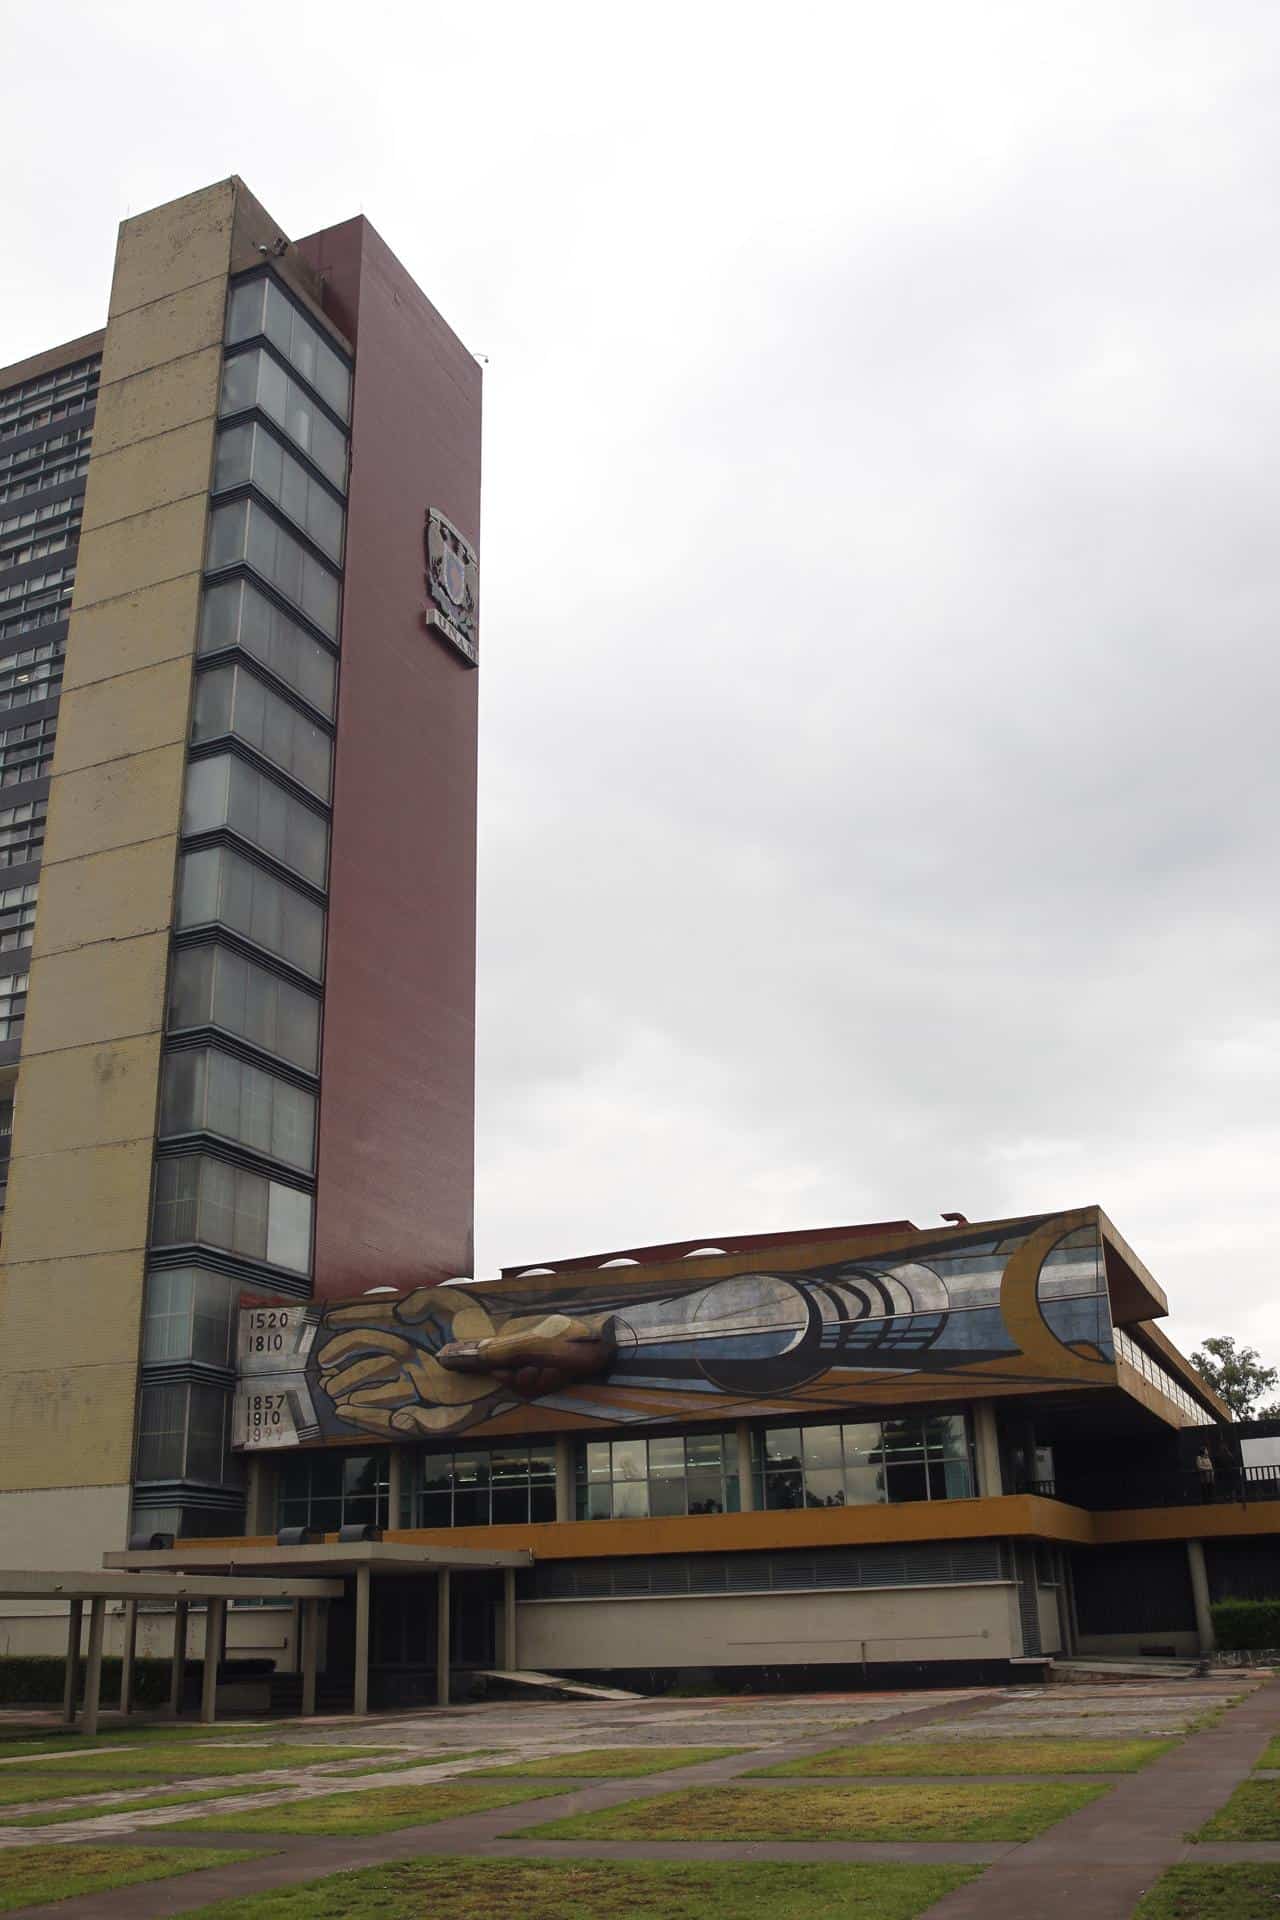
(228, 737)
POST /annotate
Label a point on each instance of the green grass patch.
(376, 1810)
(1252, 1813)
(1271, 1758)
(608, 1763)
(1213, 1893)
(165, 1767)
(30, 1876)
(602, 1890)
(1001, 1811)
(961, 1757)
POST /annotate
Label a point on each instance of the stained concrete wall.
(929, 1623)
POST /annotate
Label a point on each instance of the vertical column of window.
(239, 1089)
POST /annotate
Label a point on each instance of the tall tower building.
(238, 536)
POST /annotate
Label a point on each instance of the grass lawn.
(1252, 1813)
(1213, 1893)
(1015, 1811)
(161, 1767)
(29, 1876)
(606, 1763)
(602, 1890)
(379, 1810)
(960, 1757)
(1271, 1758)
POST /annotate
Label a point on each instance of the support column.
(177, 1672)
(360, 1700)
(443, 1599)
(1200, 1595)
(255, 1498)
(395, 1481)
(93, 1667)
(71, 1678)
(986, 1446)
(215, 1621)
(746, 1483)
(509, 1661)
(310, 1638)
(564, 1477)
(128, 1655)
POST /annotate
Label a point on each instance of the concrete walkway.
(1097, 1861)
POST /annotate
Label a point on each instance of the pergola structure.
(322, 1567)
(210, 1589)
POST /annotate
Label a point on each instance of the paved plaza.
(182, 1792)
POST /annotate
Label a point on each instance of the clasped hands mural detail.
(1025, 1303)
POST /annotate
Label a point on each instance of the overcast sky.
(881, 585)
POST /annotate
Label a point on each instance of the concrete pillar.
(71, 1678)
(128, 1655)
(443, 1599)
(746, 1484)
(93, 1667)
(395, 1486)
(510, 1663)
(177, 1673)
(215, 1621)
(360, 1698)
(986, 1446)
(310, 1641)
(1200, 1595)
(564, 1477)
(255, 1499)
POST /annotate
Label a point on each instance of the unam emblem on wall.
(453, 584)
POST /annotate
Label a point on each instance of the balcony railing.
(1171, 1487)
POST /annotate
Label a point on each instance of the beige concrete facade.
(85, 1111)
(773, 1629)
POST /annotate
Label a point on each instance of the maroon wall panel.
(397, 1091)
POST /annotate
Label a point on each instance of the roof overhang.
(242, 1559)
(73, 1584)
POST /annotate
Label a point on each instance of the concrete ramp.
(555, 1683)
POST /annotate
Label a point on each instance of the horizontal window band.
(321, 322)
(218, 935)
(65, 423)
(209, 1495)
(228, 496)
(254, 854)
(190, 1039)
(235, 743)
(255, 1277)
(216, 1146)
(255, 416)
(37, 497)
(64, 557)
(236, 655)
(241, 570)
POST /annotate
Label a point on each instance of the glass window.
(258, 307)
(914, 1456)
(626, 1479)
(231, 700)
(235, 614)
(226, 792)
(216, 885)
(241, 533)
(206, 1091)
(331, 1490)
(255, 379)
(505, 1485)
(191, 1315)
(182, 1434)
(22, 832)
(248, 455)
(214, 987)
(200, 1201)
(13, 1004)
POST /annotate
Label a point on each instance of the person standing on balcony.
(1206, 1471)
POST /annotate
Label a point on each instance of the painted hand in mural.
(422, 1364)
(542, 1359)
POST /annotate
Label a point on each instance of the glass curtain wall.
(913, 1456)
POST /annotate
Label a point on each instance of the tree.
(1237, 1376)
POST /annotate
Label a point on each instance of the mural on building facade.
(1025, 1305)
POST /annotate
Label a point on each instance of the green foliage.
(32, 1876)
(1236, 1375)
(1213, 1893)
(36, 1680)
(1246, 1623)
